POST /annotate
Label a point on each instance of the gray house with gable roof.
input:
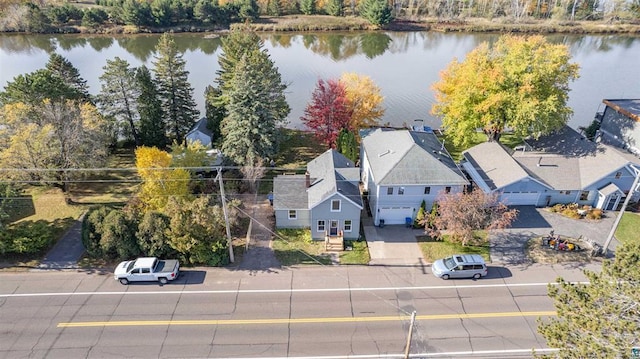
(620, 124)
(402, 168)
(563, 167)
(326, 199)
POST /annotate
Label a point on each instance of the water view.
(403, 64)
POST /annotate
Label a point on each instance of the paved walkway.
(259, 255)
(66, 253)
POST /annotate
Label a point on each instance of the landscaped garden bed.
(576, 211)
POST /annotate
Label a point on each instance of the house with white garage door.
(563, 167)
(400, 168)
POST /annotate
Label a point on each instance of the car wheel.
(476, 276)
(124, 281)
(163, 280)
(445, 276)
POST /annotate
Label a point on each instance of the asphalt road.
(329, 312)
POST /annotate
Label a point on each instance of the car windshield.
(449, 263)
(130, 266)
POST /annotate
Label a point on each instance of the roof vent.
(384, 153)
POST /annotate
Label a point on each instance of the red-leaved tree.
(462, 213)
(327, 113)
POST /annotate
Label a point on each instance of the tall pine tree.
(256, 107)
(176, 93)
(118, 96)
(152, 125)
(63, 68)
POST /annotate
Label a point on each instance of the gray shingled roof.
(402, 157)
(628, 107)
(566, 160)
(290, 192)
(331, 172)
(201, 125)
(495, 165)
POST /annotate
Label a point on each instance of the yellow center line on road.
(302, 320)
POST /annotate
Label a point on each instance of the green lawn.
(295, 246)
(433, 250)
(627, 230)
(357, 254)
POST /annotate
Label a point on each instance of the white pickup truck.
(147, 269)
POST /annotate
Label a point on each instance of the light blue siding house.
(402, 168)
(326, 199)
(563, 167)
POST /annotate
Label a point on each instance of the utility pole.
(624, 207)
(226, 216)
(408, 347)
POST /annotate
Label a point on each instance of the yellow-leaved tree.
(364, 100)
(160, 180)
(520, 83)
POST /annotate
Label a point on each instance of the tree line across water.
(104, 15)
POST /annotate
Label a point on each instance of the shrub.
(595, 213)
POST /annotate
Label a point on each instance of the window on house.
(293, 214)
(347, 225)
(584, 195)
(618, 174)
(321, 225)
(447, 189)
(401, 190)
(335, 205)
(427, 190)
(389, 190)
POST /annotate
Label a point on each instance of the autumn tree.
(174, 89)
(327, 114)
(601, 318)
(190, 155)
(153, 131)
(364, 100)
(160, 180)
(55, 137)
(520, 83)
(117, 98)
(460, 214)
(198, 230)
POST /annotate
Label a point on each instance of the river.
(403, 64)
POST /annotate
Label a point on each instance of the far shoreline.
(325, 23)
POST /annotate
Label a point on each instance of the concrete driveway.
(396, 244)
(393, 245)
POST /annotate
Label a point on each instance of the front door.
(613, 202)
(333, 227)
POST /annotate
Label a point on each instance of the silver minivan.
(460, 266)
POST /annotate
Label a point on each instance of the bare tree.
(462, 213)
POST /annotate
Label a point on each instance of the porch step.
(334, 247)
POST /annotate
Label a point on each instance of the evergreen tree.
(174, 89)
(118, 96)
(348, 144)
(34, 87)
(274, 8)
(377, 12)
(215, 113)
(600, 319)
(152, 126)
(308, 7)
(161, 12)
(335, 7)
(63, 68)
(248, 10)
(256, 107)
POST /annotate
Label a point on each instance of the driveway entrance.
(392, 245)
